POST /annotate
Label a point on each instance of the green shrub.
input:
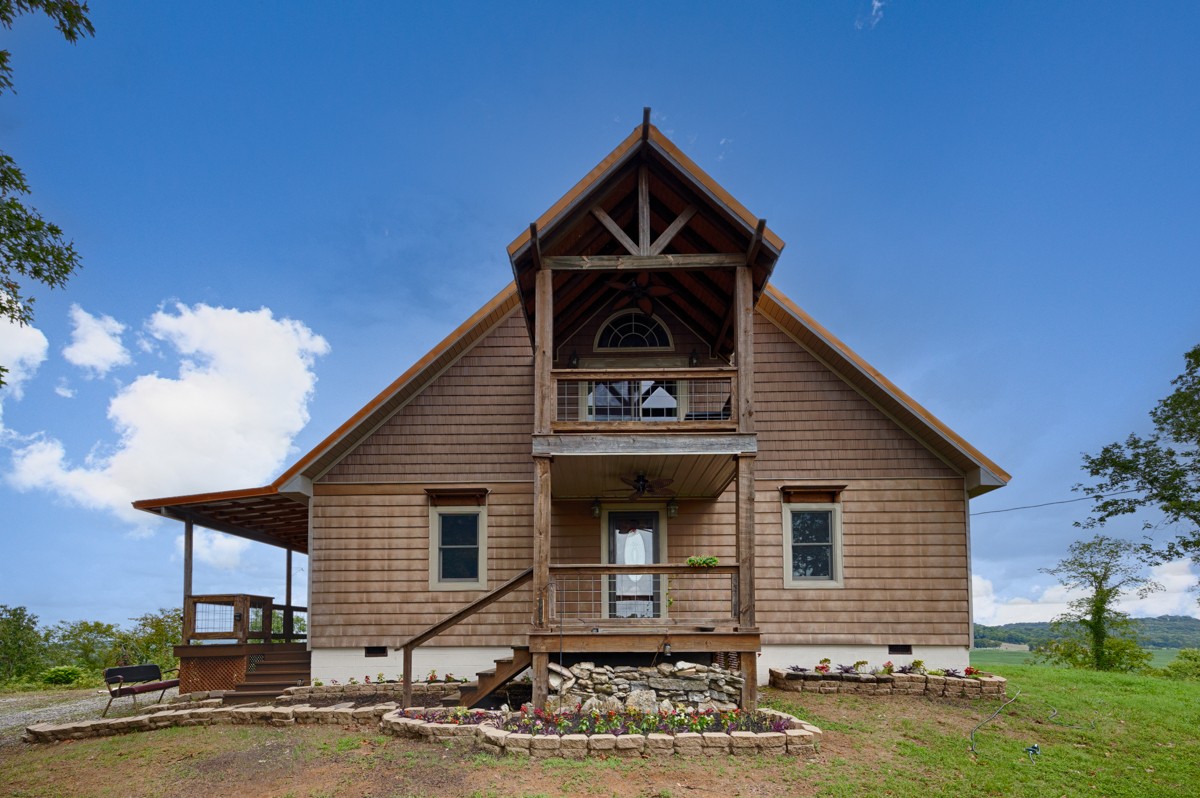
(1186, 665)
(62, 674)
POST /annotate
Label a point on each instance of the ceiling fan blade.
(643, 279)
(630, 481)
(622, 301)
(634, 496)
(646, 306)
(658, 484)
(618, 285)
(659, 290)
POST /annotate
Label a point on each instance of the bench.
(133, 680)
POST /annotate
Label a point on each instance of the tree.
(1093, 633)
(152, 639)
(31, 249)
(88, 644)
(22, 647)
(1161, 471)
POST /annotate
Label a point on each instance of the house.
(533, 488)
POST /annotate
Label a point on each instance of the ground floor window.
(457, 548)
(812, 540)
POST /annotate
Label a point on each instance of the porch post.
(745, 540)
(744, 326)
(188, 535)
(288, 617)
(543, 415)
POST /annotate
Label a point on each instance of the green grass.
(989, 659)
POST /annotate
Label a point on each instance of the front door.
(633, 539)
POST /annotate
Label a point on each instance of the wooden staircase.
(286, 665)
(491, 680)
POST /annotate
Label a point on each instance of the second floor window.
(633, 330)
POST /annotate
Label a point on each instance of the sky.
(280, 207)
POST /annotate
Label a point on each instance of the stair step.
(490, 672)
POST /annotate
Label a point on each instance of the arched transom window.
(633, 330)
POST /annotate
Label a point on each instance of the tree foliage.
(1160, 471)
(22, 649)
(32, 250)
(1093, 633)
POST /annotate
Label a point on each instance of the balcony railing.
(670, 596)
(241, 618)
(690, 398)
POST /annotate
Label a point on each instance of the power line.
(1047, 504)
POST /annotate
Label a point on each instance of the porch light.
(666, 649)
(573, 360)
(595, 508)
(694, 359)
(672, 508)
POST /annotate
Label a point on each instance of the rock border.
(989, 686)
(799, 739)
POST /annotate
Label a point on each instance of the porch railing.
(241, 618)
(691, 398)
(633, 596)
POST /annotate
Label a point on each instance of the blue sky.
(281, 207)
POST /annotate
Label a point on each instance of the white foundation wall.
(783, 657)
(346, 663)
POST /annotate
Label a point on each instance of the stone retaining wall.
(424, 693)
(800, 739)
(988, 686)
(667, 686)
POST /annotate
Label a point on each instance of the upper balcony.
(645, 400)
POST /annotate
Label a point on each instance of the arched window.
(633, 330)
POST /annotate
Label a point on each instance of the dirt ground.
(326, 761)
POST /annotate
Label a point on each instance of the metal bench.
(133, 680)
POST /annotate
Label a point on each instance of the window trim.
(836, 578)
(670, 347)
(435, 579)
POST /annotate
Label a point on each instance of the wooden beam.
(610, 639)
(541, 679)
(749, 662)
(615, 230)
(756, 242)
(643, 210)
(408, 676)
(188, 537)
(288, 616)
(669, 234)
(744, 304)
(744, 528)
(543, 351)
(632, 262)
(647, 443)
(535, 246)
(541, 539)
(646, 123)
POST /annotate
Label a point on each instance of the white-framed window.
(457, 548)
(633, 331)
(812, 545)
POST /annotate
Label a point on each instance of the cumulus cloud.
(1177, 598)
(64, 390)
(22, 350)
(214, 548)
(95, 342)
(225, 420)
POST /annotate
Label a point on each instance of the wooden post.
(543, 353)
(541, 679)
(407, 677)
(288, 617)
(541, 541)
(187, 562)
(744, 331)
(745, 540)
(749, 662)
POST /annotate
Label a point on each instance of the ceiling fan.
(639, 290)
(643, 487)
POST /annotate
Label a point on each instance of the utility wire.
(1047, 504)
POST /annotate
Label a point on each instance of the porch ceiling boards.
(703, 476)
(259, 514)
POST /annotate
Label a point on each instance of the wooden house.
(533, 488)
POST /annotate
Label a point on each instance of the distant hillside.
(1165, 631)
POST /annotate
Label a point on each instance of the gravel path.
(18, 710)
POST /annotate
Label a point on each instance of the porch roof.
(261, 514)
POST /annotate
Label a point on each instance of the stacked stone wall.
(987, 686)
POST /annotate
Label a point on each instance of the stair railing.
(487, 599)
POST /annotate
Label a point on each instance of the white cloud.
(226, 420)
(95, 342)
(22, 350)
(215, 549)
(1177, 598)
(64, 390)
(874, 18)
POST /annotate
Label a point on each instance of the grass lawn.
(1114, 735)
(989, 659)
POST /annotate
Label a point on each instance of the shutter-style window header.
(457, 497)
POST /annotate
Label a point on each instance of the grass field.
(989, 659)
(1099, 734)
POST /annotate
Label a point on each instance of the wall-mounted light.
(672, 508)
(666, 649)
(595, 508)
(573, 360)
(694, 359)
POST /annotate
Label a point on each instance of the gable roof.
(268, 513)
